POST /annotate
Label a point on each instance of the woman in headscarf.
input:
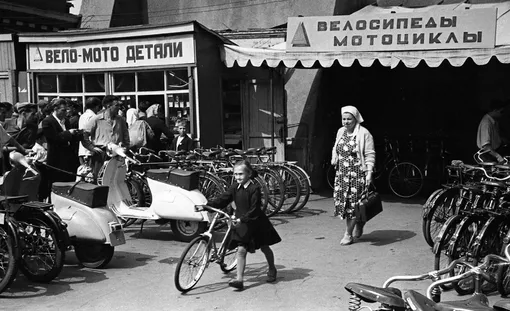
(354, 157)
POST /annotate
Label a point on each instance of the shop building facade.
(178, 66)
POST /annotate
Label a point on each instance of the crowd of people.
(61, 138)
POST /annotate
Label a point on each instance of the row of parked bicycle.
(34, 236)
(469, 218)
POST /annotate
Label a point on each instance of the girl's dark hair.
(251, 172)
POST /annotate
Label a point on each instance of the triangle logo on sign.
(38, 56)
(301, 37)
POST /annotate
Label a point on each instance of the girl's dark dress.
(255, 229)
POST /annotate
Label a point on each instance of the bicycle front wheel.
(192, 264)
(228, 256)
(8, 264)
(405, 180)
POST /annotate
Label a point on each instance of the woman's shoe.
(236, 284)
(347, 240)
(271, 276)
(358, 229)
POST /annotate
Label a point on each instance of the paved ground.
(312, 268)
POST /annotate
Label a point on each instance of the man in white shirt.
(488, 136)
(92, 106)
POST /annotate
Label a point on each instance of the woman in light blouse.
(354, 157)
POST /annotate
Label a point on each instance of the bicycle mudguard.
(428, 204)
(477, 242)
(40, 210)
(438, 243)
(441, 197)
(457, 232)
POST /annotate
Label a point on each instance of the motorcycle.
(174, 195)
(92, 229)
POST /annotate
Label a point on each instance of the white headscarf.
(152, 110)
(354, 111)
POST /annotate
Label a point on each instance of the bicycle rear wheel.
(292, 188)
(8, 264)
(304, 183)
(276, 190)
(442, 258)
(192, 264)
(405, 180)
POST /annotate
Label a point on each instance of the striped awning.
(277, 56)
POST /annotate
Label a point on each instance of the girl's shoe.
(236, 284)
(358, 229)
(347, 240)
(271, 275)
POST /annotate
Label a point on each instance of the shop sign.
(113, 54)
(465, 29)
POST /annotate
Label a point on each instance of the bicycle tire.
(45, 232)
(405, 180)
(8, 263)
(210, 186)
(304, 187)
(461, 246)
(503, 274)
(425, 211)
(292, 188)
(489, 241)
(264, 192)
(441, 245)
(202, 256)
(276, 190)
(437, 216)
(228, 259)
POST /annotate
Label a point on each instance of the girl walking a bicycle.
(253, 230)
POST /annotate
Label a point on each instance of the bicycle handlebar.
(485, 173)
(200, 208)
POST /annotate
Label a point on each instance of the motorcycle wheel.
(95, 256)
(8, 264)
(186, 231)
(42, 258)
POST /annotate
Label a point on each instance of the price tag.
(2, 219)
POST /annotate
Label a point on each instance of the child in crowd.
(253, 229)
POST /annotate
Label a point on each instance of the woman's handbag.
(369, 206)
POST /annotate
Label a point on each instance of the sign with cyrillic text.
(466, 29)
(113, 54)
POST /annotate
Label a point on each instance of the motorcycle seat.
(14, 199)
(477, 302)
(188, 180)
(82, 192)
(389, 296)
(502, 305)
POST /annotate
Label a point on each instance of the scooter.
(174, 196)
(93, 229)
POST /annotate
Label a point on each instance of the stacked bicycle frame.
(285, 187)
(469, 218)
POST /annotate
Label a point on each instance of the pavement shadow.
(127, 260)
(255, 275)
(23, 288)
(151, 232)
(305, 212)
(385, 237)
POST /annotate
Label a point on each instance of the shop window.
(47, 83)
(94, 83)
(232, 117)
(178, 109)
(70, 83)
(151, 81)
(129, 101)
(177, 79)
(124, 82)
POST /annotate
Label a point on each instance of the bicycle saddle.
(270, 149)
(502, 305)
(494, 184)
(211, 153)
(390, 296)
(261, 149)
(477, 302)
(229, 154)
(251, 151)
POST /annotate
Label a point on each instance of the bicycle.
(203, 250)
(405, 179)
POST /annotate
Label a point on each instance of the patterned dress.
(350, 178)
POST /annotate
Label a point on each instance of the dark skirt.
(254, 234)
